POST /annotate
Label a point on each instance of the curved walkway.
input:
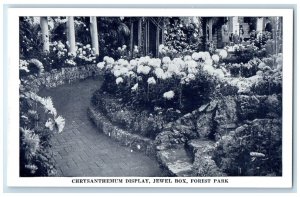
(81, 150)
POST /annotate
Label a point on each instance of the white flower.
(119, 80)
(219, 73)
(215, 58)
(155, 62)
(23, 65)
(223, 53)
(143, 69)
(48, 105)
(133, 63)
(174, 68)
(166, 60)
(191, 76)
(101, 65)
(135, 87)
(208, 62)
(49, 124)
(117, 73)
(151, 81)
(169, 95)
(195, 56)
(159, 73)
(60, 123)
(124, 47)
(161, 47)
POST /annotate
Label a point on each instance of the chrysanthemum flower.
(135, 87)
(119, 80)
(215, 58)
(223, 53)
(169, 95)
(151, 81)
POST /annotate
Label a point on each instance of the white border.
(13, 178)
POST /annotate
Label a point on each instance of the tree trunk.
(163, 32)
(71, 35)
(45, 34)
(204, 24)
(140, 33)
(94, 34)
(131, 37)
(157, 41)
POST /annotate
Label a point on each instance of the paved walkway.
(81, 149)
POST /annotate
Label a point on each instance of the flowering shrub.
(38, 120)
(183, 82)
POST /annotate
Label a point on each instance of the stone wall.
(59, 77)
(135, 142)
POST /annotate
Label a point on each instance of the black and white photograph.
(153, 98)
(150, 96)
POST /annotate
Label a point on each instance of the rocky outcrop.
(176, 162)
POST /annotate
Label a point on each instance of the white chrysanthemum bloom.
(192, 66)
(139, 69)
(187, 58)
(208, 62)
(124, 71)
(215, 58)
(169, 95)
(101, 65)
(110, 60)
(145, 70)
(219, 73)
(155, 62)
(174, 68)
(48, 105)
(161, 47)
(124, 47)
(49, 124)
(119, 80)
(159, 73)
(195, 56)
(191, 76)
(144, 60)
(223, 53)
(60, 122)
(151, 81)
(32, 139)
(166, 60)
(23, 65)
(117, 73)
(209, 69)
(136, 49)
(135, 87)
(133, 63)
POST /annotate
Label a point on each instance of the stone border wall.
(135, 142)
(62, 76)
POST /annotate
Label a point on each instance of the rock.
(204, 146)
(226, 115)
(250, 107)
(176, 161)
(204, 125)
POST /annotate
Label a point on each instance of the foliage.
(183, 83)
(38, 120)
(182, 34)
(251, 150)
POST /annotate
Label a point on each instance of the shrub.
(253, 149)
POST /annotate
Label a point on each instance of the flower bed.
(38, 117)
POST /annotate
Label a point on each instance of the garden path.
(81, 149)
